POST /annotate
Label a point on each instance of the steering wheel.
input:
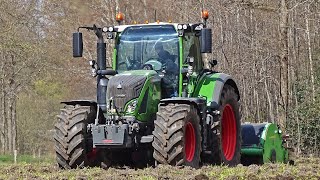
(152, 64)
(147, 67)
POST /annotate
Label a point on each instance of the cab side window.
(191, 49)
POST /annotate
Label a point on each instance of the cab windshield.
(136, 46)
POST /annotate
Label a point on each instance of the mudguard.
(200, 103)
(210, 87)
(80, 102)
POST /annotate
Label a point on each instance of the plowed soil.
(303, 169)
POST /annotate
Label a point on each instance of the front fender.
(210, 87)
(80, 102)
(199, 103)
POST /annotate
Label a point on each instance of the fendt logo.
(120, 95)
(119, 86)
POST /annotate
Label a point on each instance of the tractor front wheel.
(73, 143)
(177, 138)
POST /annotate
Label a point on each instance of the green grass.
(9, 159)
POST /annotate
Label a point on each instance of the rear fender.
(210, 87)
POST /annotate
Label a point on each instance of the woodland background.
(270, 47)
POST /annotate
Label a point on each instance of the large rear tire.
(226, 145)
(73, 143)
(177, 137)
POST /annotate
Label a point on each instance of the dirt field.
(304, 169)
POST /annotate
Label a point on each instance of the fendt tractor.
(157, 104)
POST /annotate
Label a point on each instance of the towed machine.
(264, 143)
(154, 105)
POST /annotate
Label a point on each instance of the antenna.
(202, 5)
(155, 15)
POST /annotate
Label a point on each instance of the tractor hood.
(130, 92)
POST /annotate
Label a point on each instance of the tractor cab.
(136, 47)
(172, 50)
(150, 47)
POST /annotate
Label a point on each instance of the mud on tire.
(226, 145)
(73, 144)
(177, 138)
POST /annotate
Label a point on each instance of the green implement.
(263, 143)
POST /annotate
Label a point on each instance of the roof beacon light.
(119, 17)
(205, 14)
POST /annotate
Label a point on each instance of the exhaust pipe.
(102, 81)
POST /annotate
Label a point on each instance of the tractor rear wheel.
(227, 136)
(177, 138)
(73, 143)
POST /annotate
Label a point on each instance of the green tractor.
(157, 104)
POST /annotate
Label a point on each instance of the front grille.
(123, 88)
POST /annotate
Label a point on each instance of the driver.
(171, 71)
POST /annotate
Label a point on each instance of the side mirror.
(206, 40)
(77, 44)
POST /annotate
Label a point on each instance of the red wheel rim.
(229, 132)
(92, 154)
(190, 142)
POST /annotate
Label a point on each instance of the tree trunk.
(310, 60)
(2, 115)
(284, 62)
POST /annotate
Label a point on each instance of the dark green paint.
(252, 151)
(152, 84)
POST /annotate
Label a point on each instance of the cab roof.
(121, 28)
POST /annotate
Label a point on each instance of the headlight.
(110, 29)
(179, 26)
(132, 106)
(105, 29)
(185, 27)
